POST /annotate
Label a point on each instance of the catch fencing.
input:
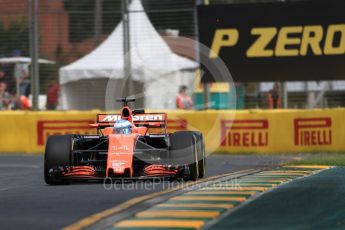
(68, 30)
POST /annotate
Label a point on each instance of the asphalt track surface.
(315, 202)
(27, 202)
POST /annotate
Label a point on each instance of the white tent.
(97, 77)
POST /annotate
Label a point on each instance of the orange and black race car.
(131, 145)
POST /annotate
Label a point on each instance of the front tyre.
(183, 151)
(57, 154)
(201, 153)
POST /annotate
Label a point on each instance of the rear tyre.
(57, 154)
(183, 151)
(201, 153)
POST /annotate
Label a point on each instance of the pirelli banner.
(275, 131)
(282, 41)
(257, 131)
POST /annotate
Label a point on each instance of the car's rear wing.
(147, 119)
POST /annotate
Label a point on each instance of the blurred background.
(52, 58)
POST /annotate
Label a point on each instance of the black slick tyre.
(183, 151)
(201, 153)
(57, 154)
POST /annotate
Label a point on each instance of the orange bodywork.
(80, 171)
(121, 150)
(107, 131)
(120, 154)
(121, 146)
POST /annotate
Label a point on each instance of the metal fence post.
(98, 21)
(34, 52)
(206, 85)
(284, 91)
(126, 48)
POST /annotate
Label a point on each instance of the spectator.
(5, 97)
(274, 97)
(25, 103)
(2, 76)
(21, 74)
(183, 100)
(6, 76)
(53, 96)
(21, 102)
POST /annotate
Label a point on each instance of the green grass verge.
(332, 159)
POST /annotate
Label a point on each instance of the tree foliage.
(15, 36)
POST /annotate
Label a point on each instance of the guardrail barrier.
(254, 131)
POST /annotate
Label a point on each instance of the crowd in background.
(15, 87)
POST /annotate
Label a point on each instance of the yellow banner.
(257, 131)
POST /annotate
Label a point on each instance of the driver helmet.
(122, 127)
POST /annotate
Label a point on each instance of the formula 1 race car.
(147, 151)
